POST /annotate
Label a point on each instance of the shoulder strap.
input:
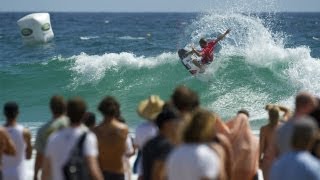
(81, 141)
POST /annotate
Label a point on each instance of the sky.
(154, 5)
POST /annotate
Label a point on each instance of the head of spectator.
(57, 106)
(89, 119)
(167, 122)
(11, 110)
(274, 115)
(305, 103)
(185, 99)
(76, 108)
(201, 127)
(150, 108)
(109, 108)
(304, 134)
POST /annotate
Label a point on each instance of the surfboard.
(187, 61)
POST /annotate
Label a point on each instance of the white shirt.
(13, 167)
(60, 145)
(193, 162)
(144, 132)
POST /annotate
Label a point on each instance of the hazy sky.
(153, 5)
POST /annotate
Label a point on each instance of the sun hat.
(151, 107)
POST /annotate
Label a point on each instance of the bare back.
(6, 144)
(112, 145)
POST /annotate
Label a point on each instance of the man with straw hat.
(148, 109)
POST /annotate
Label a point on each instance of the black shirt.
(158, 148)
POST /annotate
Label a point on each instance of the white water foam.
(131, 38)
(92, 68)
(89, 37)
(252, 39)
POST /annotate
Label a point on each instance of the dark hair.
(11, 109)
(76, 108)
(184, 98)
(304, 99)
(89, 119)
(166, 115)
(110, 107)
(244, 111)
(57, 105)
(304, 132)
(202, 41)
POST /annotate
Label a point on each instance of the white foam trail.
(106, 21)
(89, 37)
(131, 38)
(94, 67)
(315, 38)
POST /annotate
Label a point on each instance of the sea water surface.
(266, 58)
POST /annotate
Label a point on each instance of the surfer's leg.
(198, 64)
(195, 62)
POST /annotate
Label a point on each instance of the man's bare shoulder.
(121, 126)
(110, 127)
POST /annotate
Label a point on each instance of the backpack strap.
(81, 142)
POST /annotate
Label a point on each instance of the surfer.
(206, 52)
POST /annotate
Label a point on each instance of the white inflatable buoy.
(36, 28)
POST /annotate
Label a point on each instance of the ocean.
(266, 58)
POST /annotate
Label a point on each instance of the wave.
(106, 21)
(88, 37)
(256, 56)
(92, 68)
(131, 38)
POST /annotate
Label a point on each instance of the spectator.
(245, 147)
(58, 108)
(14, 166)
(195, 160)
(298, 163)
(305, 103)
(6, 146)
(186, 101)
(112, 135)
(156, 150)
(89, 119)
(60, 144)
(148, 109)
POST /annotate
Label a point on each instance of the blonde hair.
(201, 127)
(274, 115)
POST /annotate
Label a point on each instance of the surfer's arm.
(198, 53)
(223, 35)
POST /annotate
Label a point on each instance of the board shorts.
(113, 176)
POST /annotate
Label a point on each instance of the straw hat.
(151, 107)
